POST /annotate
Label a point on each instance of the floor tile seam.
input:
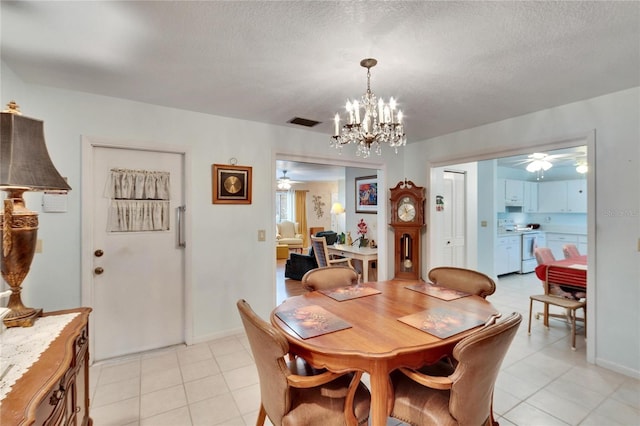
(162, 412)
(587, 409)
(606, 395)
(612, 396)
(505, 415)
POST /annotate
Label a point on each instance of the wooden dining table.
(376, 339)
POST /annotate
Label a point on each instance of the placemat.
(312, 321)
(442, 322)
(350, 292)
(438, 291)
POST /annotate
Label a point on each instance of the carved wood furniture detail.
(55, 390)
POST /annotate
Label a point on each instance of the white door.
(454, 218)
(138, 296)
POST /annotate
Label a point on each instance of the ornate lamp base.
(19, 230)
(25, 320)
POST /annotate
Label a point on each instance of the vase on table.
(364, 242)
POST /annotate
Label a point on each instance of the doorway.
(308, 172)
(133, 270)
(453, 210)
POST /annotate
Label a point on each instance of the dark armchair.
(299, 264)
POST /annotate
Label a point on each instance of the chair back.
(287, 229)
(461, 279)
(479, 359)
(329, 277)
(268, 347)
(570, 250)
(543, 255)
(319, 246)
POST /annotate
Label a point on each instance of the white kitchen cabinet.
(577, 196)
(513, 192)
(582, 244)
(555, 241)
(507, 255)
(530, 204)
(563, 196)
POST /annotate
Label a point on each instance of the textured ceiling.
(451, 65)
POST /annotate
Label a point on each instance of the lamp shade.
(337, 208)
(24, 159)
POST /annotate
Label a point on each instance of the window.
(284, 206)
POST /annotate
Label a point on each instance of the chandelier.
(378, 123)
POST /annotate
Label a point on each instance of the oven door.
(528, 259)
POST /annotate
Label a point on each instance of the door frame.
(88, 144)
(587, 138)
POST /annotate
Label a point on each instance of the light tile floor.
(542, 381)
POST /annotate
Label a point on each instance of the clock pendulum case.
(407, 221)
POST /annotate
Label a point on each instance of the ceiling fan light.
(537, 165)
(533, 166)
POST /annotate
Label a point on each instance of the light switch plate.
(262, 236)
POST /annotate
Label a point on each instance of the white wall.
(615, 294)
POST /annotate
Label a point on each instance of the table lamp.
(25, 165)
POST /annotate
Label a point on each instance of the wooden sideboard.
(55, 390)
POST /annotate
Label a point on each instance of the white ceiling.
(451, 65)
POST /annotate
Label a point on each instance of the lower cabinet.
(507, 255)
(556, 240)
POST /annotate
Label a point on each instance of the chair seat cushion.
(290, 241)
(417, 405)
(324, 407)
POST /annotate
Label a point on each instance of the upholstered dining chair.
(461, 395)
(329, 277)
(323, 257)
(290, 394)
(570, 250)
(461, 279)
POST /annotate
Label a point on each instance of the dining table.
(366, 255)
(378, 327)
(571, 272)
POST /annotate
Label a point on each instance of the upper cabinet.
(530, 197)
(513, 192)
(568, 196)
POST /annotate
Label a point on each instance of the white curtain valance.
(138, 215)
(125, 184)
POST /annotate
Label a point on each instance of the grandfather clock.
(407, 221)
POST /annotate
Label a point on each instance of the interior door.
(138, 281)
(454, 230)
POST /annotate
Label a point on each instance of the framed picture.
(367, 194)
(231, 184)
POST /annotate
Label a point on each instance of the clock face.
(232, 184)
(406, 210)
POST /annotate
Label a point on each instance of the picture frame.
(231, 184)
(367, 194)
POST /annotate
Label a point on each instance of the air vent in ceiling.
(303, 122)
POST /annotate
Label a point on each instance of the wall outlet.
(38, 246)
(262, 235)
(483, 223)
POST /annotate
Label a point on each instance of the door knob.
(98, 253)
(98, 270)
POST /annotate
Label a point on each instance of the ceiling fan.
(285, 182)
(540, 161)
